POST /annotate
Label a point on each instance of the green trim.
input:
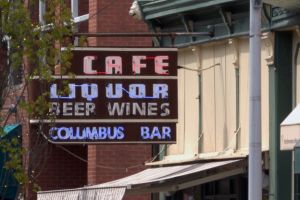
(205, 16)
(164, 8)
(297, 158)
(6, 176)
(9, 128)
(280, 107)
(273, 142)
(284, 65)
(10, 131)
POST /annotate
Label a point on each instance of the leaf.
(31, 46)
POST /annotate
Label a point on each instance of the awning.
(290, 130)
(152, 180)
(83, 194)
(11, 186)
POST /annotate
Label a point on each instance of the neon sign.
(114, 65)
(117, 96)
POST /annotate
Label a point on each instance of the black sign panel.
(111, 132)
(117, 95)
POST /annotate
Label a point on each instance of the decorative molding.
(235, 44)
(268, 42)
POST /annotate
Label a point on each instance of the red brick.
(61, 170)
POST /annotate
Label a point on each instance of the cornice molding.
(268, 42)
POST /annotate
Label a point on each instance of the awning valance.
(170, 178)
(83, 194)
(290, 130)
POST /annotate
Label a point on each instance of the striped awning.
(150, 180)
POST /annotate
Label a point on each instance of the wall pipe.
(42, 10)
(145, 34)
(74, 10)
(255, 164)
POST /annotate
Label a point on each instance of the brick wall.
(54, 168)
(62, 170)
(112, 16)
(110, 162)
(49, 166)
(83, 9)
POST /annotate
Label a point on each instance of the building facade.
(213, 88)
(53, 167)
(209, 160)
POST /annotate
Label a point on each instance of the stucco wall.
(224, 124)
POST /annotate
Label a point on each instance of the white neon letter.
(110, 91)
(113, 62)
(54, 95)
(160, 91)
(89, 91)
(137, 91)
(87, 65)
(137, 65)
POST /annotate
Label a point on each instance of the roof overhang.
(183, 159)
(288, 4)
(161, 179)
(290, 130)
(162, 8)
(224, 19)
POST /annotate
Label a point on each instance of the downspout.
(42, 10)
(197, 53)
(295, 74)
(235, 46)
(74, 10)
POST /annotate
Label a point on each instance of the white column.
(255, 165)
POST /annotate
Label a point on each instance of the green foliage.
(37, 48)
(12, 149)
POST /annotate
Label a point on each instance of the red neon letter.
(160, 65)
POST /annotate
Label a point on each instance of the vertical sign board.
(118, 95)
